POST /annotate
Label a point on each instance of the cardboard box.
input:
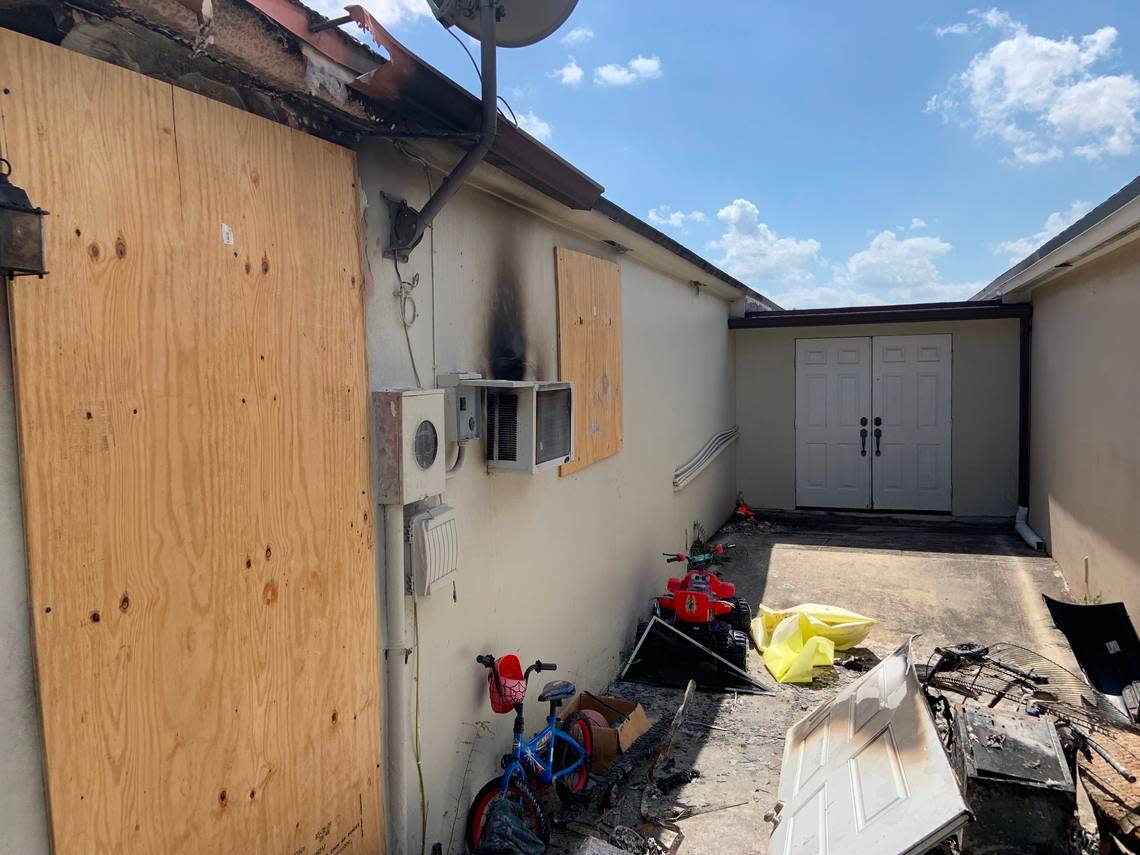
(610, 742)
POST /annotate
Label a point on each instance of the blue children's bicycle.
(558, 754)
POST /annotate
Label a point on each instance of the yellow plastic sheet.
(797, 639)
(792, 652)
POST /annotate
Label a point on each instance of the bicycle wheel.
(576, 726)
(520, 792)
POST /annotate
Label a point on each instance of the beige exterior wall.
(552, 567)
(1085, 440)
(984, 403)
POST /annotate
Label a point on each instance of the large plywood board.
(192, 409)
(590, 353)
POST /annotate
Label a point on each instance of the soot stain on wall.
(506, 327)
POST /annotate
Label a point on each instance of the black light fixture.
(21, 230)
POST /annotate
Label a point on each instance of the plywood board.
(590, 353)
(192, 409)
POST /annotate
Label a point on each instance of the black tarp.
(1103, 640)
(665, 656)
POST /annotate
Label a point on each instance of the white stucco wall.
(23, 814)
(552, 567)
(984, 405)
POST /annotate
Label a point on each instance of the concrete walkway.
(943, 581)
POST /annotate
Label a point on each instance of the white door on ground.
(911, 430)
(833, 412)
(865, 773)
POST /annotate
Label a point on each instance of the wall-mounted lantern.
(21, 230)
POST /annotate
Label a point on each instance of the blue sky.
(833, 153)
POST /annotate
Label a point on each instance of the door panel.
(911, 465)
(865, 774)
(833, 393)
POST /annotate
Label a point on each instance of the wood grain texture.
(590, 353)
(193, 426)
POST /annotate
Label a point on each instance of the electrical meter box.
(410, 453)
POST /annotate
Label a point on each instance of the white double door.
(873, 422)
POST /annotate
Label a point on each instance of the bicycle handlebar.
(488, 661)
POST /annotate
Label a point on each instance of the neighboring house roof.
(1115, 219)
(902, 313)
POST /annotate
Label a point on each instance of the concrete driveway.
(943, 581)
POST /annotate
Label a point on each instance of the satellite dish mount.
(509, 23)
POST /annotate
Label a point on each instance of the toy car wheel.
(741, 617)
(738, 653)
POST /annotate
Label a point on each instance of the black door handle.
(863, 442)
(878, 442)
(878, 420)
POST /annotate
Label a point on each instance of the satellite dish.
(522, 22)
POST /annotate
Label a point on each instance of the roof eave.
(1112, 222)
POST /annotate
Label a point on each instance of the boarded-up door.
(192, 410)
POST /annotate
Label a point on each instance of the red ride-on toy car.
(705, 607)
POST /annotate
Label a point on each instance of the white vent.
(431, 549)
(530, 424)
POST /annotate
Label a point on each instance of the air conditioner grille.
(552, 437)
(503, 425)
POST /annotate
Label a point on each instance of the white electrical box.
(529, 424)
(410, 453)
(462, 403)
(431, 549)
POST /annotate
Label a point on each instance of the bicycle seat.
(556, 690)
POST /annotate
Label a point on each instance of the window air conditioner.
(529, 424)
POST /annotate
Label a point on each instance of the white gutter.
(1021, 526)
(1122, 224)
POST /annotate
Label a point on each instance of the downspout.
(396, 662)
(408, 226)
(1021, 521)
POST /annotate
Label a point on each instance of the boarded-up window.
(589, 352)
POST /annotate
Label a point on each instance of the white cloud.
(578, 35)
(791, 271)
(1042, 97)
(663, 215)
(917, 223)
(1055, 223)
(888, 261)
(751, 251)
(646, 67)
(390, 13)
(613, 75)
(535, 126)
(638, 68)
(570, 74)
(958, 29)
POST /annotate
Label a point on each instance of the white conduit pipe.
(396, 702)
(1021, 526)
(684, 474)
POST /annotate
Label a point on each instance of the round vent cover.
(426, 444)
